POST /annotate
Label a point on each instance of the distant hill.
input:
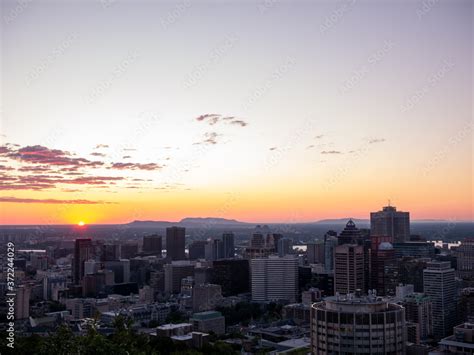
(342, 220)
(187, 222)
(210, 220)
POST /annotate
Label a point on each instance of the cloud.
(97, 154)
(310, 146)
(239, 122)
(210, 118)
(42, 182)
(272, 148)
(99, 146)
(6, 168)
(214, 118)
(4, 149)
(209, 138)
(129, 149)
(35, 169)
(38, 154)
(126, 157)
(135, 166)
(50, 201)
(319, 136)
(376, 140)
(331, 152)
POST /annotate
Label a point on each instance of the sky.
(262, 111)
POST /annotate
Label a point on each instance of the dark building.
(228, 245)
(350, 234)
(152, 244)
(391, 222)
(175, 243)
(410, 271)
(82, 251)
(414, 249)
(109, 252)
(382, 259)
(128, 251)
(233, 275)
(197, 250)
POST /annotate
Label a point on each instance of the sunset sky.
(269, 111)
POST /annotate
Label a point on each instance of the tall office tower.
(350, 234)
(197, 250)
(109, 252)
(233, 275)
(22, 302)
(315, 252)
(82, 251)
(348, 268)
(465, 258)
(382, 257)
(121, 269)
(391, 222)
(152, 244)
(330, 243)
(257, 240)
(419, 311)
(206, 297)
(214, 249)
(175, 272)
(439, 285)
(128, 251)
(175, 243)
(274, 278)
(284, 246)
(228, 239)
(357, 325)
(52, 284)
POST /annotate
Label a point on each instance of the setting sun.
(81, 224)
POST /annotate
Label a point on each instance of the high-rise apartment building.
(274, 278)
(391, 222)
(439, 285)
(175, 243)
(357, 325)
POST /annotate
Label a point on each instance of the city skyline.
(117, 112)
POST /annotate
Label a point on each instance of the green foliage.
(124, 341)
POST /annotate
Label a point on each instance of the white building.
(274, 278)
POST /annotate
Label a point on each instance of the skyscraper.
(350, 234)
(274, 278)
(382, 257)
(197, 250)
(465, 258)
(152, 244)
(439, 285)
(357, 325)
(315, 252)
(175, 243)
(419, 311)
(391, 222)
(348, 268)
(82, 252)
(229, 245)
